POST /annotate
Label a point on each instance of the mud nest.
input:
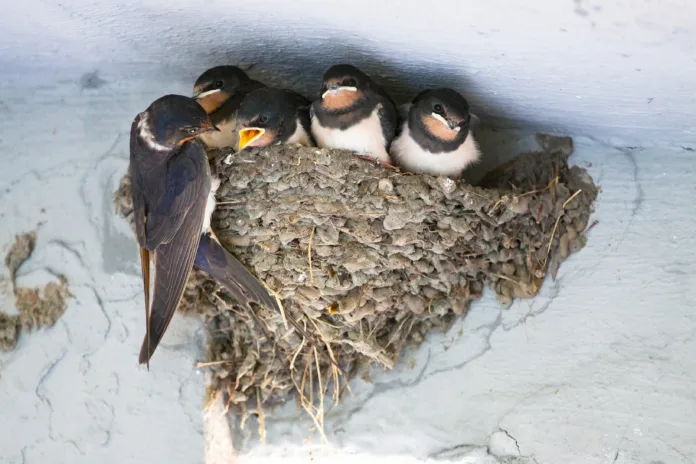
(370, 260)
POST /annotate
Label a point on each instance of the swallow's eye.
(191, 130)
(351, 83)
(218, 84)
(263, 119)
(438, 109)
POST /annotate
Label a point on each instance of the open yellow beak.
(248, 135)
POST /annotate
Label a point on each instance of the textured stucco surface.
(598, 369)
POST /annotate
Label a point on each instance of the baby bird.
(436, 135)
(269, 116)
(220, 91)
(353, 113)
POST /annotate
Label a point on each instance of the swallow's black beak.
(452, 125)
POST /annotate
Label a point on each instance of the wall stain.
(91, 81)
(579, 10)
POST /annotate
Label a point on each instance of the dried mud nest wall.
(369, 260)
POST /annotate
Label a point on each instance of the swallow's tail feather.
(173, 262)
(224, 268)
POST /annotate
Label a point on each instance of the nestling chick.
(436, 136)
(353, 113)
(269, 116)
(220, 91)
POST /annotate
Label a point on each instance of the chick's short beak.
(248, 134)
(335, 88)
(198, 94)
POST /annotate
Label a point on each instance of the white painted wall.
(621, 70)
(599, 369)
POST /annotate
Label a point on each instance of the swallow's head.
(344, 87)
(215, 86)
(173, 120)
(442, 113)
(263, 117)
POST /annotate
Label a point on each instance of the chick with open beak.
(269, 116)
(353, 113)
(436, 135)
(220, 91)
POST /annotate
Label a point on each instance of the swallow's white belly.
(365, 137)
(210, 204)
(299, 136)
(414, 158)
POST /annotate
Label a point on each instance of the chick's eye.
(218, 84)
(438, 108)
(351, 83)
(263, 119)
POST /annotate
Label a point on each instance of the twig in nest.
(337, 384)
(395, 334)
(378, 162)
(245, 416)
(554, 181)
(227, 407)
(571, 197)
(307, 405)
(230, 204)
(500, 276)
(590, 228)
(555, 226)
(276, 295)
(309, 255)
(328, 345)
(538, 216)
(212, 363)
(505, 200)
(262, 423)
(321, 392)
(299, 349)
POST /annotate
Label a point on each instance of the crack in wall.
(48, 370)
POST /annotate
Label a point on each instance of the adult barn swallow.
(269, 116)
(436, 135)
(353, 113)
(173, 200)
(220, 91)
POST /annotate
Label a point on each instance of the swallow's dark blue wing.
(174, 236)
(186, 184)
(388, 117)
(302, 108)
(402, 117)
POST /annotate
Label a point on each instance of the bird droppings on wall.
(370, 260)
(38, 306)
(91, 81)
